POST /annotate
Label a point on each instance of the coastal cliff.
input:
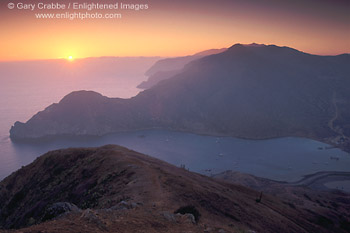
(248, 91)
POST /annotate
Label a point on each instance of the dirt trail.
(311, 179)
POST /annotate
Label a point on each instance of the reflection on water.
(286, 159)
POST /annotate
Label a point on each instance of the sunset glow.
(181, 28)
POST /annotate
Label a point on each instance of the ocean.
(29, 87)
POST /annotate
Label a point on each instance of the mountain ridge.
(248, 92)
(168, 67)
(114, 189)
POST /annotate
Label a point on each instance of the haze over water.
(29, 87)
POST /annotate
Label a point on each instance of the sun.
(70, 58)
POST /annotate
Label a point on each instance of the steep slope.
(126, 191)
(309, 193)
(169, 67)
(247, 91)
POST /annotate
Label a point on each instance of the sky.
(173, 28)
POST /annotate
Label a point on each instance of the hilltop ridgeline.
(113, 189)
(247, 91)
